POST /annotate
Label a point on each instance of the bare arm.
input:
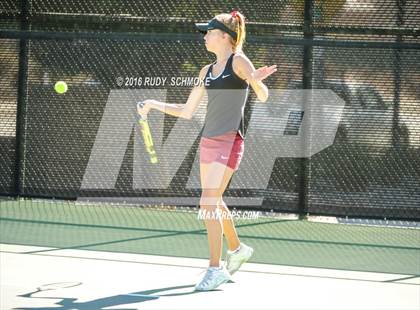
(179, 110)
(245, 69)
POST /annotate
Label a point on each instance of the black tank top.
(227, 96)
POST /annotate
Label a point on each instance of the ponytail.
(240, 30)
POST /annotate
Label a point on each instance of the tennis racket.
(147, 136)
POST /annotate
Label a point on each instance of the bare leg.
(229, 229)
(214, 178)
(214, 235)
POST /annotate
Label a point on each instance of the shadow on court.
(116, 300)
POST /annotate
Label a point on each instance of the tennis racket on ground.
(147, 136)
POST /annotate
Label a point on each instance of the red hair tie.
(234, 13)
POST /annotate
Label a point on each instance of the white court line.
(202, 263)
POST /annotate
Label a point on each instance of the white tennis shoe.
(235, 259)
(213, 278)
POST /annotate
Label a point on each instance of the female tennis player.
(227, 83)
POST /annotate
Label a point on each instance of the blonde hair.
(237, 24)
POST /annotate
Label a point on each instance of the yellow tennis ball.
(60, 87)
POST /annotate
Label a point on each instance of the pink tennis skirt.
(226, 149)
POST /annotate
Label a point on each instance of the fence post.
(397, 77)
(21, 99)
(307, 84)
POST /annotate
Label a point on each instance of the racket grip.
(145, 130)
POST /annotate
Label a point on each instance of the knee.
(209, 199)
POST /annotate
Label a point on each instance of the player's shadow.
(116, 300)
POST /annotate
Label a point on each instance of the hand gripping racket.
(147, 136)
